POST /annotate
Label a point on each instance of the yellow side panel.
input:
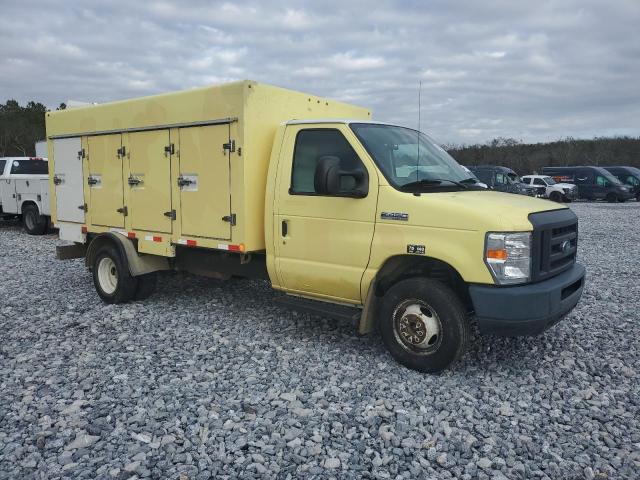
(205, 195)
(150, 165)
(105, 169)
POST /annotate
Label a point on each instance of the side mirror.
(330, 179)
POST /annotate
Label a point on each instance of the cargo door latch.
(124, 211)
(230, 218)
(57, 180)
(231, 146)
(169, 150)
(171, 214)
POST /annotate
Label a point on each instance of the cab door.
(104, 179)
(322, 242)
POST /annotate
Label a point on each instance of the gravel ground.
(212, 379)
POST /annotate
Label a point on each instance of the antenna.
(419, 125)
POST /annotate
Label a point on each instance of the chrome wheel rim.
(417, 326)
(108, 275)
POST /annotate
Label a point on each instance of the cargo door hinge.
(230, 218)
(84, 208)
(124, 211)
(169, 150)
(81, 154)
(122, 151)
(171, 214)
(231, 146)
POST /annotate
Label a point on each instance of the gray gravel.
(212, 379)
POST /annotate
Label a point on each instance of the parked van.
(594, 183)
(24, 192)
(630, 176)
(504, 179)
(350, 218)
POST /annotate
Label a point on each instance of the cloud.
(499, 68)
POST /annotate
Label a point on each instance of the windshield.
(407, 156)
(513, 178)
(609, 176)
(549, 180)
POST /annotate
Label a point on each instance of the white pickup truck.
(24, 192)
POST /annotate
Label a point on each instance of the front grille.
(555, 242)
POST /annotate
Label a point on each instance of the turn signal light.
(497, 254)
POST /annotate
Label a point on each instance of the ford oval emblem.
(566, 245)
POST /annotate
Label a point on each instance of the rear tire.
(423, 324)
(33, 222)
(555, 197)
(111, 276)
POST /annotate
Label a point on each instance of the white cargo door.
(68, 179)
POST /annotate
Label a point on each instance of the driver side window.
(501, 178)
(314, 144)
(601, 181)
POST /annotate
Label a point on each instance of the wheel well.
(95, 245)
(26, 203)
(401, 267)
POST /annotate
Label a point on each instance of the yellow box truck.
(350, 218)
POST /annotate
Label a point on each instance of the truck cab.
(24, 192)
(379, 215)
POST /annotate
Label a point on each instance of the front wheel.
(555, 197)
(423, 324)
(34, 223)
(611, 197)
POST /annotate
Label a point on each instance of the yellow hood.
(464, 210)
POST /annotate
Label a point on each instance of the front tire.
(555, 197)
(33, 222)
(423, 325)
(111, 276)
(611, 197)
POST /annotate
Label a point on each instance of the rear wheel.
(34, 223)
(111, 276)
(423, 324)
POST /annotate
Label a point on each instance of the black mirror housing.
(328, 178)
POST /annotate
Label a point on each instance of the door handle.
(134, 181)
(285, 228)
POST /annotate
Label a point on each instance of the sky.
(534, 71)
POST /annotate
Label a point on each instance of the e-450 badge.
(415, 249)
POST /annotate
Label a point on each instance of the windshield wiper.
(431, 182)
(470, 180)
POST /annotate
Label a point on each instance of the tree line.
(526, 158)
(22, 126)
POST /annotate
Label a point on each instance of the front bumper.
(527, 309)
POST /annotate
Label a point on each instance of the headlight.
(508, 256)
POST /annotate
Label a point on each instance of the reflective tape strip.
(152, 238)
(188, 243)
(223, 246)
(131, 234)
(231, 248)
(121, 232)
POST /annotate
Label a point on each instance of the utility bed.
(186, 168)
